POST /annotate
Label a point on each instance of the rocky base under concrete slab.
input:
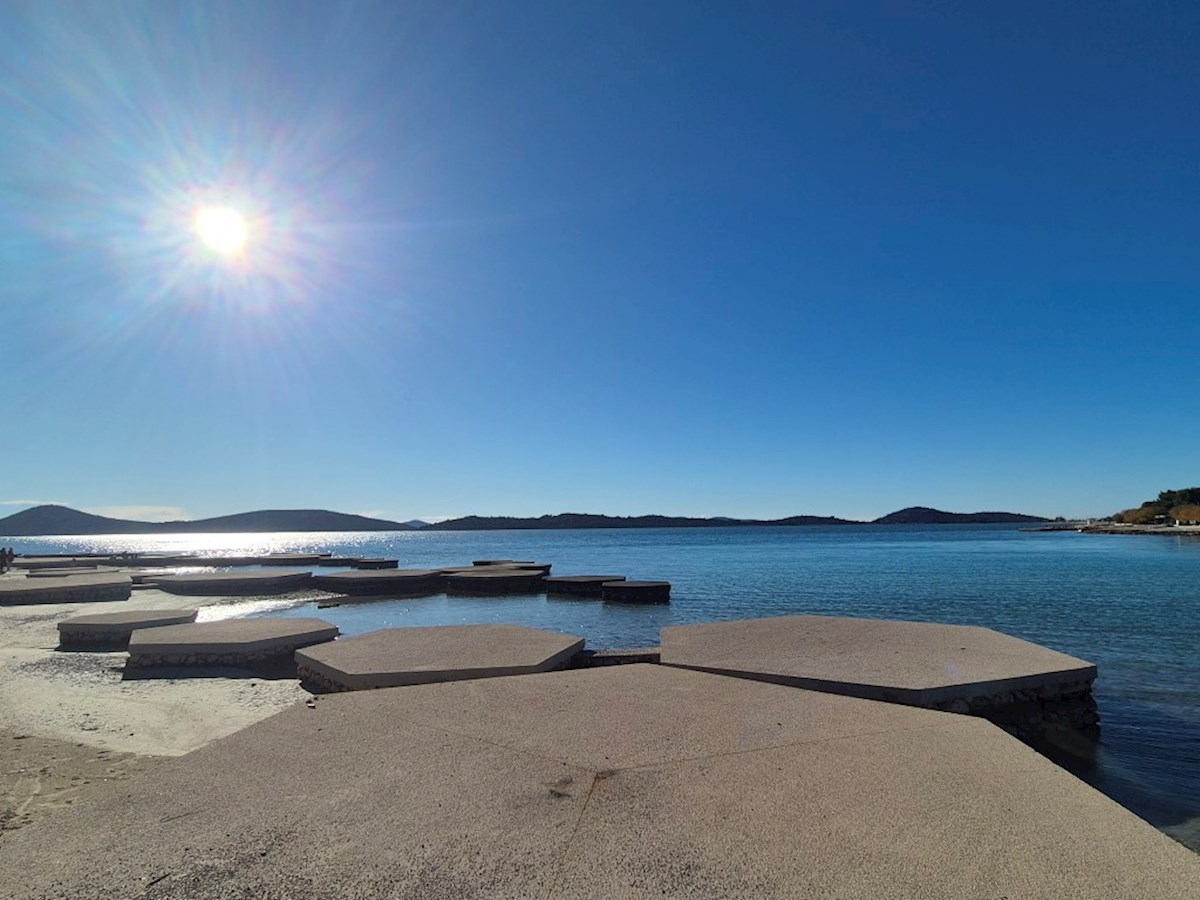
(318, 683)
(1034, 713)
(200, 657)
(90, 640)
(588, 659)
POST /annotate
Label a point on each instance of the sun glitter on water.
(222, 228)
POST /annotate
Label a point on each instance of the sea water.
(1130, 604)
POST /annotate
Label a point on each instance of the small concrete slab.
(495, 580)
(377, 563)
(396, 582)
(67, 589)
(619, 782)
(917, 663)
(540, 568)
(290, 559)
(57, 562)
(229, 642)
(223, 584)
(72, 570)
(636, 591)
(111, 631)
(339, 561)
(581, 585)
(392, 657)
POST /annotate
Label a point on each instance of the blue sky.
(742, 259)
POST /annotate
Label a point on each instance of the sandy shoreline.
(71, 722)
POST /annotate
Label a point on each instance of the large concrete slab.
(403, 656)
(228, 642)
(58, 562)
(113, 630)
(627, 781)
(919, 663)
(396, 582)
(582, 585)
(72, 570)
(495, 580)
(66, 589)
(220, 584)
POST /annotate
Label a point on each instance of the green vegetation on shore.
(1178, 506)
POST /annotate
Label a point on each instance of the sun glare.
(222, 228)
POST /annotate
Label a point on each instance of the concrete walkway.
(627, 781)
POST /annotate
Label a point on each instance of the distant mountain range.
(587, 520)
(61, 520)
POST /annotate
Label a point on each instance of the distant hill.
(58, 520)
(923, 515)
(416, 523)
(287, 520)
(62, 520)
(593, 520)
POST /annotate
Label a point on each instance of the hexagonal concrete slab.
(65, 589)
(58, 562)
(229, 642)
(918, 663)
(290, 559)
(494, 580)
(112, 630)
(377, 563)
(72, 570)
(403, 656)
(583, 585)
(624, 591)
(396, 582)
(221, 584)
(622, 782)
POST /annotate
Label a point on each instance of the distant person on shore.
(6, 558)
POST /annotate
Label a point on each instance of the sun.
(222, 228)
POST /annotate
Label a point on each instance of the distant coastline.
(62, 521)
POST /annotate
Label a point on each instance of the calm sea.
(1129, 604)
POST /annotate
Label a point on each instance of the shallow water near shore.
(1130, 604)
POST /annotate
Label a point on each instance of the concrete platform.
(956, 667)
(527, 564)
(221, 584)
(111, 631)
(67, 589)
(581, 585)
(396, 582)
(541, 568)
(392, 657)
(495, 580)
(377, 563)
(290, 559)
(636, 591)
(229, 642)
(72, 570)
(621, 782)
(339, 561)
(58, 562)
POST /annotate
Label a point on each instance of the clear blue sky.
(742, 259)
